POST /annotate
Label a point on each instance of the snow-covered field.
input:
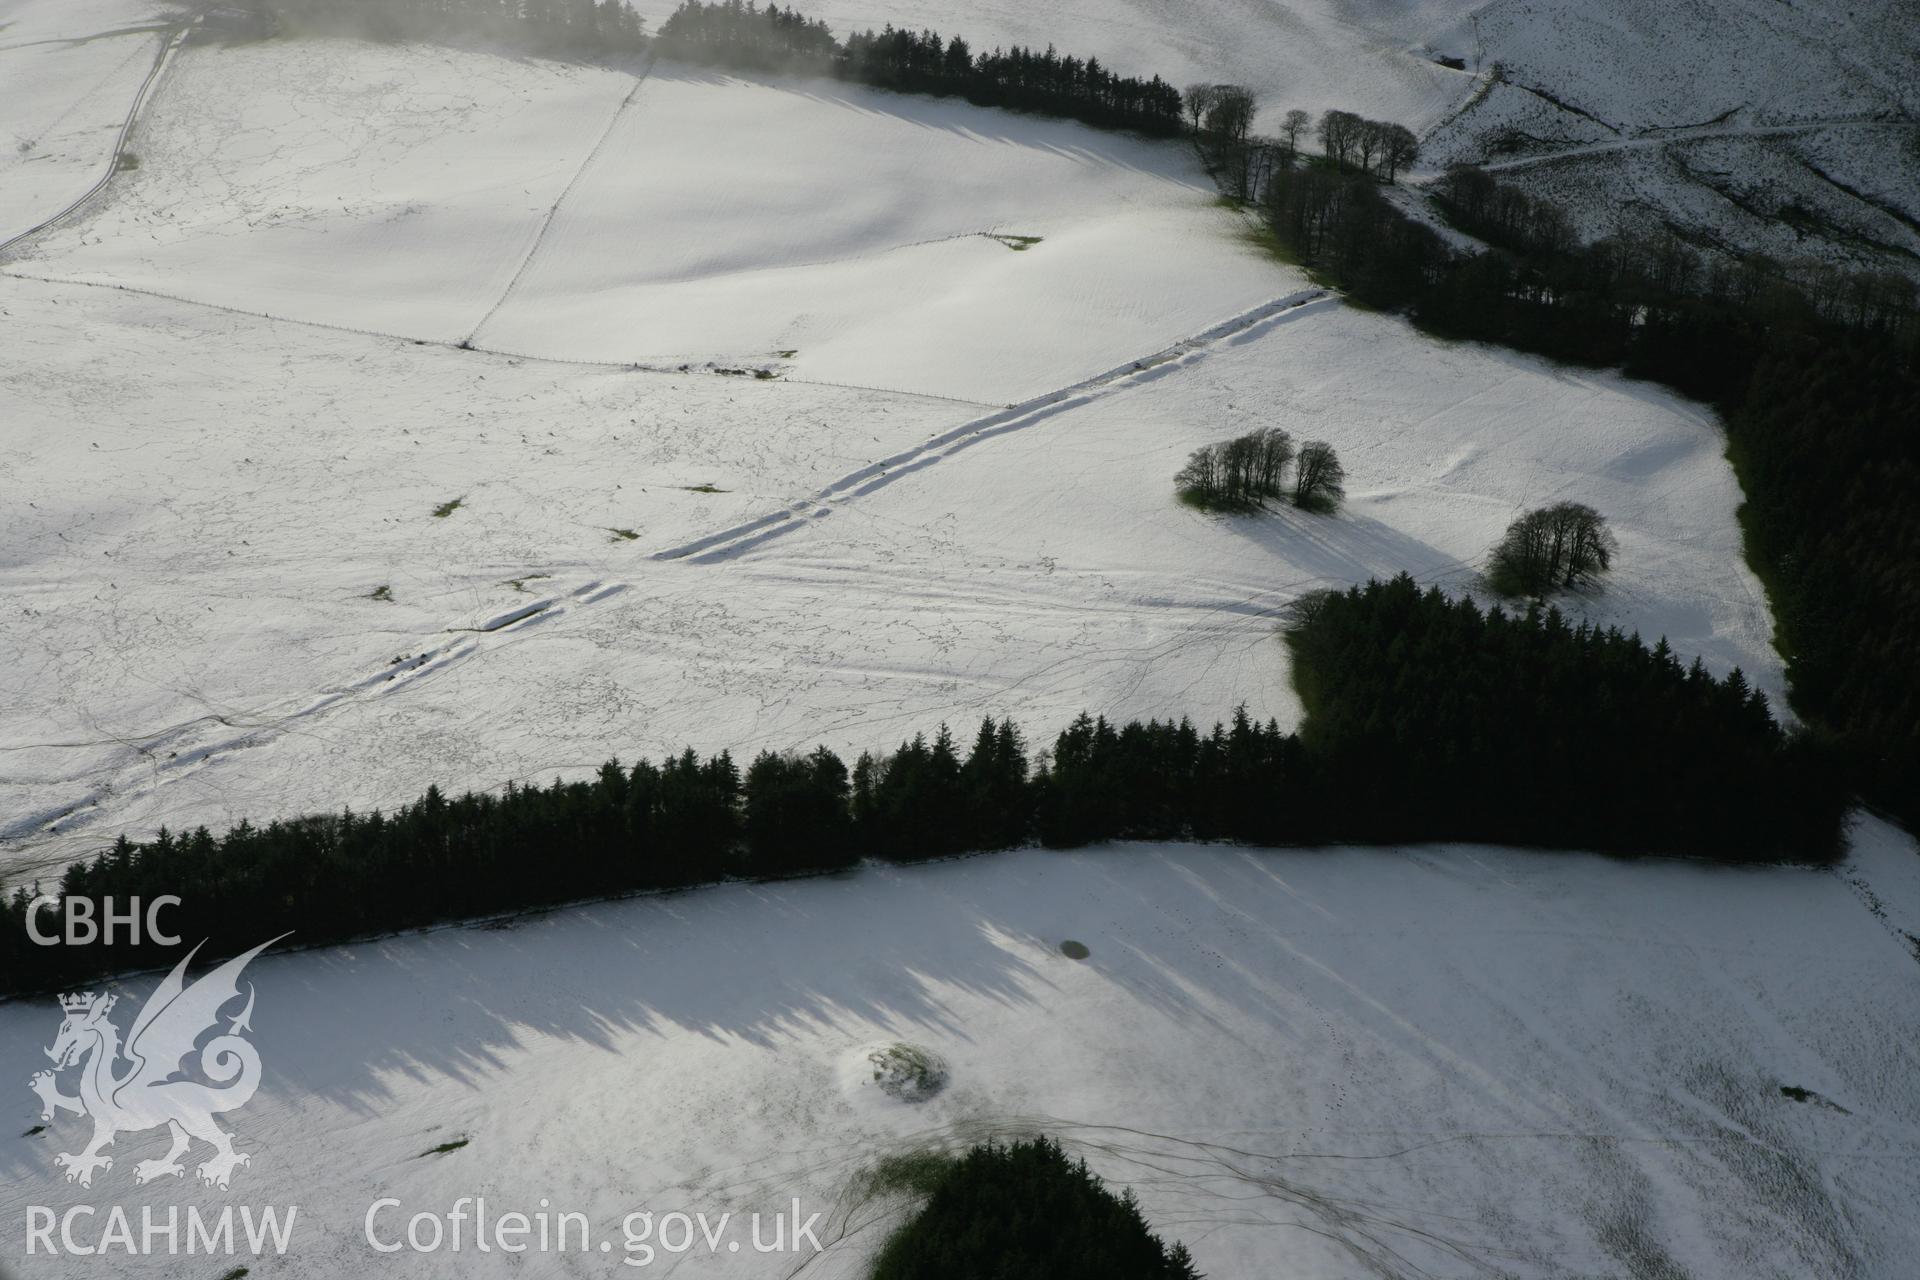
(843, 234)
(1455, 1062)
(1368, 56)
(763, 439)
(69, 74)
(199, 638)
(249, 606)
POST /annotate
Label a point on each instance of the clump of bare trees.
(1242, 473)
(1220, 117)
(1552, 549)
(1371, 146)
(1319, 481)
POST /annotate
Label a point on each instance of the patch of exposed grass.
(446, 509)
(704, 488)
(910, 1173)
(1216, 506)
(383, 593)
(1019, 244)
(520, 584)
(1258, 234)
(444, 1147)
(127, 162)
(623, 535)
(788, 355)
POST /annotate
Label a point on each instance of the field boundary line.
(553, 210)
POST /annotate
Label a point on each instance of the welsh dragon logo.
(156, 1086)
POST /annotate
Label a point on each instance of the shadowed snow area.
(585, 214)
(1315, 1064)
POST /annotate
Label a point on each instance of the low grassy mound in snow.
(907, 1072)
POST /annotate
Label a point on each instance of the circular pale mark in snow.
(1074, 950)
(906, 1072)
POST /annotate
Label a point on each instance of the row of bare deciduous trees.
(1221, 117)
(1247, 470)
(1371, 146)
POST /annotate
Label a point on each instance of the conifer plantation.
(735, 34)
(1027, 1210)
(1427, 719)
(1815, 372)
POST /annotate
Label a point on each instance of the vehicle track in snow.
(50, 837)
(730, 542)
(546, 223)
(163, 59)
(1657, 138)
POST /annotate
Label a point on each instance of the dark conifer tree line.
(1023, 1212)
(1815, 371)
(733, 33)
(1427, 720)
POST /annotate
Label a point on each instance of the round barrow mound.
(907, 1072)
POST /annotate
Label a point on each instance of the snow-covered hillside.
(202, 636)
(1358, 55)
(1315, 1064)
(70, 74)
(402, 415)
(1743, 125)
(583, 214)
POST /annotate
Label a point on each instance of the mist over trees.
(734, 34)
(750, 37)
(1555, 548)
(577, 28)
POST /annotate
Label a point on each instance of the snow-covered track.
(546, 223)
(730, 542)
(162, 60)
